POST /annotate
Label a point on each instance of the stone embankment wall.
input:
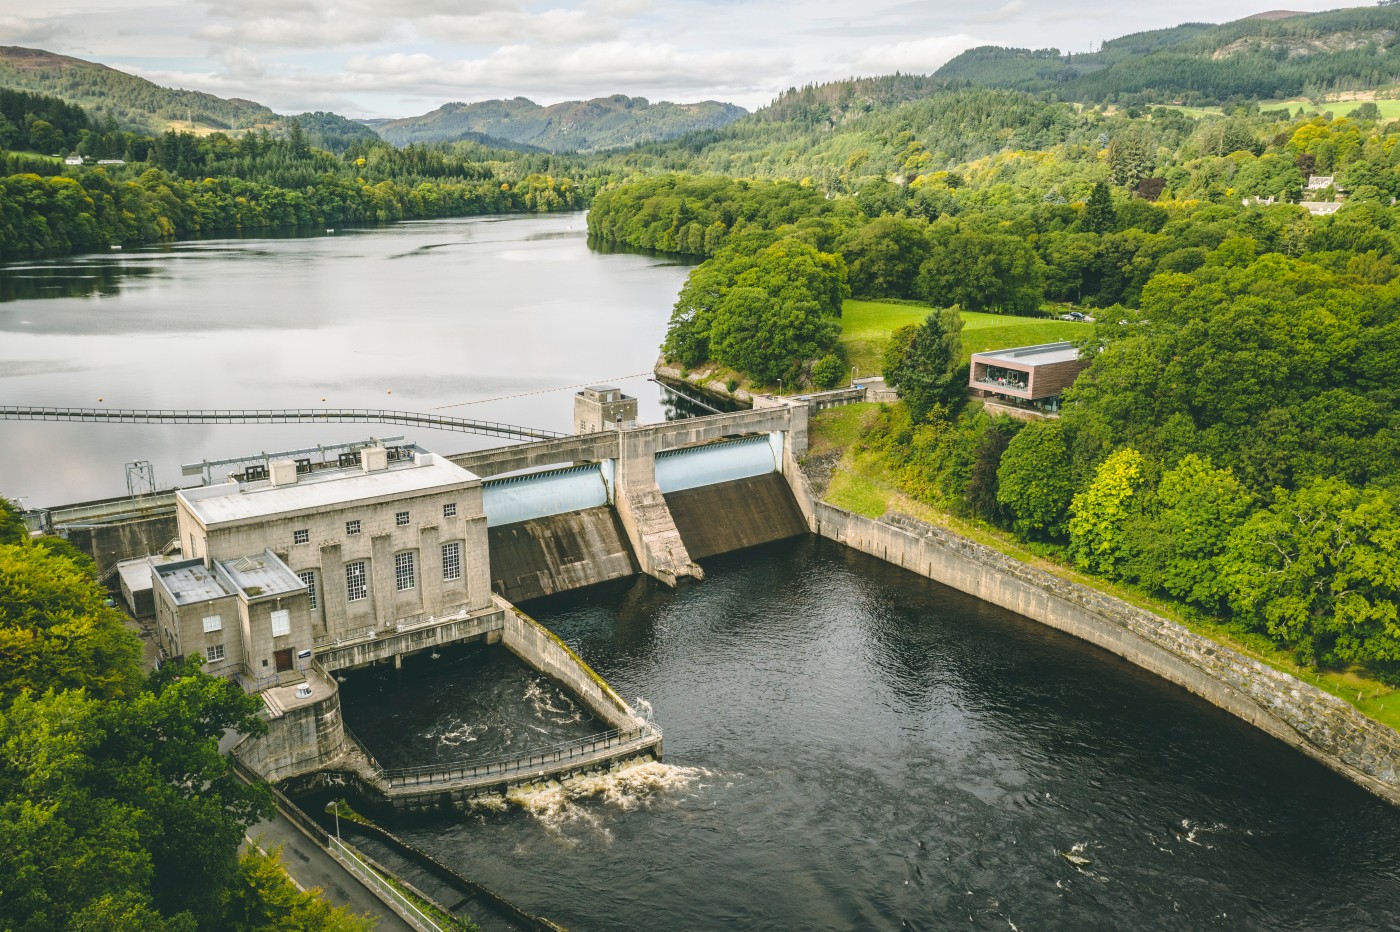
(1317, 723)
(541, 649)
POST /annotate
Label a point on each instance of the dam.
(301, 565)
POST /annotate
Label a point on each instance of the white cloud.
(1008, 12)
(28, 30)
(916, 56)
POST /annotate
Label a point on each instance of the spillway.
(542, 556)
(728, 516)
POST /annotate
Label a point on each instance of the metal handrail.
(273, 416)
(506, 765)
(370, 877)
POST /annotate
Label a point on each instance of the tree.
(922, 361)
(1098, 211)
(1099, 515)
(1178, 544)
(884, 255)
(983, 272)
(56, 631)
(1034, 482)
(1319, 571)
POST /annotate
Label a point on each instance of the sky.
(390, 58)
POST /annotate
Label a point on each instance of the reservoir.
(847, 745)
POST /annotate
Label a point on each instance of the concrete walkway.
(311, 866)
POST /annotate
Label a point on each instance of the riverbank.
(1317, 719)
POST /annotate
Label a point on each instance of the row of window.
(352, 527)
(281, 618)
(405, 572)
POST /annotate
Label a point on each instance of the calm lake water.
(847, 745)
(415, 316)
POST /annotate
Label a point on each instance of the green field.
(866, 327)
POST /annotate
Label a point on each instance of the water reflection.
(93, 277)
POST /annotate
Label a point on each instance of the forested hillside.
(1234, 444)
(1259, 58)
(571, 126)
(134, 103)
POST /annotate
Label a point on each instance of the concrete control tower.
(603, 407)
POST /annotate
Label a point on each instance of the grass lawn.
(866, 327)
(864, 483)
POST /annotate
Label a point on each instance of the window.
(449, 510)
(356, 583)
(216, 652)
(401, 518)
(403, 571)
(281, 623)
(452, 560)
(301, 537)
(352, 527)
(213, 623)
(309, 577)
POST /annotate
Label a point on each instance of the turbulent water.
(852, 746)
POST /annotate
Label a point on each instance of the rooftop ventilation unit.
(247, 564)
(304, 691)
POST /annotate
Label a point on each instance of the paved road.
(311, 866)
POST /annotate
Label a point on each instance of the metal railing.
(371, 878)
(273, 416)
(503, 767)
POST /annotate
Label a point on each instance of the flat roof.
(1043, 354)
(231, 502)
(136, 574)
(261, 575)
(191, 581)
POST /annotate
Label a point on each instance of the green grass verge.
(865, 484)
(866, 327)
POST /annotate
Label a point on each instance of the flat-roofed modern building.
(381, 541)
(1030, 378)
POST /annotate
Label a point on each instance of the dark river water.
(850, 746)
(847, 745)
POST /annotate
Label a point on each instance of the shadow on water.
(853, 746)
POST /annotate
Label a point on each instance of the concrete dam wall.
(728, 516)
(543, 556)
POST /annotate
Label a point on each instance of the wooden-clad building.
(1030, 378)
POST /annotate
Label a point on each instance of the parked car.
(1073, 315)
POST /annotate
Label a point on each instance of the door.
(283, 659)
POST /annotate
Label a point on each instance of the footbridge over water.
(570, 512)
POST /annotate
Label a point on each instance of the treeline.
(117, 810)
(1251, 59)
(1234, 445)
(92, 211)
(37, 123)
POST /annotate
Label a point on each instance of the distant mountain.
(842, 100)
(137, 104)
(572, 126)
(134, 102)
(1274, 55)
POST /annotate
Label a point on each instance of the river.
(847, 745)
(851, 746)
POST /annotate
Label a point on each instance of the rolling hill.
(571, 126)
(1273, 55)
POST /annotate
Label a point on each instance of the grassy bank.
(866, 327)
(866, 483)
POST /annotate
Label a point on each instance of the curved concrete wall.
(679, 470)
(543, 495)
(1298, 713)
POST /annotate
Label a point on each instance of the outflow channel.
(852, 746)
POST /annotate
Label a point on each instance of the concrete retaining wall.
(109, 544)
(1315, 722)
(532, 642)
(298, 742)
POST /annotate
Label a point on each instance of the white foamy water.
(551, 705)
(564, 806)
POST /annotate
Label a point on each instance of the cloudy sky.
(402, 57)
